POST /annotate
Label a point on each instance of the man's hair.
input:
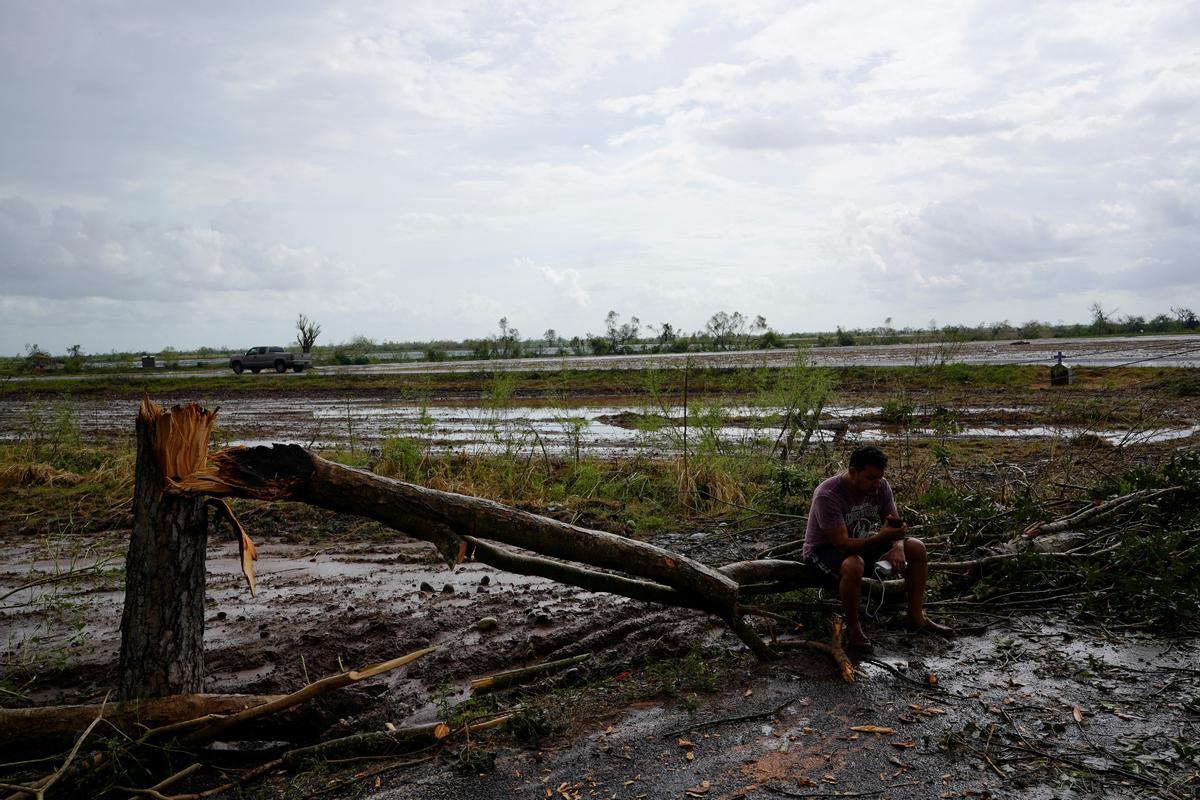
(868, 455)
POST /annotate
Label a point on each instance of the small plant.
(897, 410)
(684, 677)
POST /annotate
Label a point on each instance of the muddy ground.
(1118, 710)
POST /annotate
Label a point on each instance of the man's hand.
(896, 558)
(893, 533)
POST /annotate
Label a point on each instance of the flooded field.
(611, 430)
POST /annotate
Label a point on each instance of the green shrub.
(400, 458)
(897, 410)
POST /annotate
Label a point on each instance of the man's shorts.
(828, 560)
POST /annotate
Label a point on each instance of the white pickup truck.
(256, 359)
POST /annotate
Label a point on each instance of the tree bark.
(162, 627)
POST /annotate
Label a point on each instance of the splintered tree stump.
(162, 627)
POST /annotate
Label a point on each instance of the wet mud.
(984, 715)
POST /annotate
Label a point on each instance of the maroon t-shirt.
(836, 503)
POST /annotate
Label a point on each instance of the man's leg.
(850, 585)
(916, 577)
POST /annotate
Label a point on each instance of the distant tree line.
(1103, 323)
(723, 331)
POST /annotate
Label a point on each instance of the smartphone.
(892, 522)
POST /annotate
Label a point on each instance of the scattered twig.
(178, 776)
(740, 718)
(783, 790)
(759, 611)
(371, 774)
(895, 671)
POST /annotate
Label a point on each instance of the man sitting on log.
(842, 542)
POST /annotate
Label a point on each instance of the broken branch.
(315, 689)
(501, 680)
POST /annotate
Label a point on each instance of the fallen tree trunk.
(289, 472)
(33, 728)
(386, 743)
(794, 574)
(455, 523)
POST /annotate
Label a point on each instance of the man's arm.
(840, 538)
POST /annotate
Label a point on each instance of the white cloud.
(565, 283)
(417, 171)
(70, 253)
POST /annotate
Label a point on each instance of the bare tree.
(508, 343)
(726, 331)
(1186, 317)
(667, 337)
(307, 332)
(1102, 318)
(620, 335)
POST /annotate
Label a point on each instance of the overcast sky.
(182, 174)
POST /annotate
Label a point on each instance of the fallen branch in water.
(770, 712)
(60, 576)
